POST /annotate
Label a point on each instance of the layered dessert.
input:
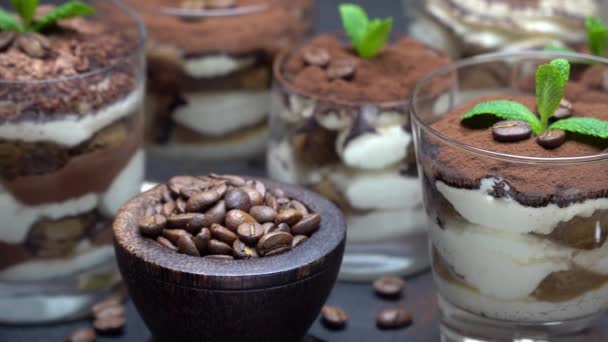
(340, 126)
(469, 27)
(70, 133)
(516, 239)
(209, 72)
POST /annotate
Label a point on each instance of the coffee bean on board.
(393, 318)
(334, 317)
(389, 286)
(82, 335)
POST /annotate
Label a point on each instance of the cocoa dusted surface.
(388, 77)
(531, 185)
(262, 32)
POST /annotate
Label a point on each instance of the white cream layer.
(380, 225)
(508, 215)
(218, 113)
(383, 148)
(19, 217)
(73, 129)
(215, 65)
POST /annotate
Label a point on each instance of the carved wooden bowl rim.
(150, 259)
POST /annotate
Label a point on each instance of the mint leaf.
(563, 66)
(355, 22)
(376, 37)
(551, 82)
(557, 48)
(9, 23)
(26, 10)
(586, 126)
(508, 110)
(597, 36)
(68, 10)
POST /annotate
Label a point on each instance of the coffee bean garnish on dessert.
(511, 131)
(551, 139)
(227, 217)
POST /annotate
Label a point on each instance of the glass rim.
(206, 13)
(496, 57)
(142, 35)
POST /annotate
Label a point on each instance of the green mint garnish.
(551, 81)
(26, 9)
(368, 37)
(597, 36)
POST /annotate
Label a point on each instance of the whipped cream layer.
(218, 113)
(72, 129)
(382, 225)
(21, 217)
(211, 66)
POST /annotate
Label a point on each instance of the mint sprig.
(597, 36)
(368, 37)
(26, 9)
(551, 81)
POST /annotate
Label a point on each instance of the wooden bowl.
(184, 298)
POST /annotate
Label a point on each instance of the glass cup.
(210, 75)
(70, 156)
(517, 243)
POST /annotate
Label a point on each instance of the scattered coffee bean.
(299, 206)
(289, 215)
(342, 69)
(102, 305)
(201, 240)
(316, 56)
(255, 197)
(118, 310)
(235, 218)
(185, 245)
(165, 242)
(250, 232)
(174, 234)
(511, 131)
(219, 247)
(393, 319)
(242, 251)
(307, 225)
(113, 325)
(82, 335)
(563, 111)
(275, 241)
(237, 199)
(263, 213)
(152, 226)
(6, 39)
(551, 139)
(334, 317)
(297, 240)
(223, 234)
(219, 257)
(389, 286)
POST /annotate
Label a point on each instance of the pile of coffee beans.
(226, 217)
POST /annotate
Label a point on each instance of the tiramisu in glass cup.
(518, 222)
(209, 68)
(71, 126)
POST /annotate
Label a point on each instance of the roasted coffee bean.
(511, 131)
(189, 191)
(201, 240)
(109, 325)
(307, 225)
(216, 213)
(202, 200)
(289, 215)
(167, 198)
(277, 251)
(180, 220)
(174, 234)
(223, 234)
(102, 305)
(197, 222)
(282, 227)
(237, 199)
(278, 193)
(341, 69)
(186, 245)
(393, 319)
(274, 241)
(219, 257)
(175, 184)
(271, 201)
(117, 310)
(316, 56)
(230, 179)
(235, 218)
(297, 240)
(6, 39)
(283, 203)
(334, 317)
(168, 209)
(551, 139)
(166, 243)
(299, 206)
(180, 205)
(242, 251)
(389, 286)
(255, 197)
(563, 111)
(217, 4)
(268, 227)
(219, 247)
(263, 213)
(250, 232)
(258, 186)
(82, 335)
(34, 45)
(152, 225)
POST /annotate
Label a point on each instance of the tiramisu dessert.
(71, 99)
(209, 65)
(516, 189)
(469, 27)
(340, 126)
